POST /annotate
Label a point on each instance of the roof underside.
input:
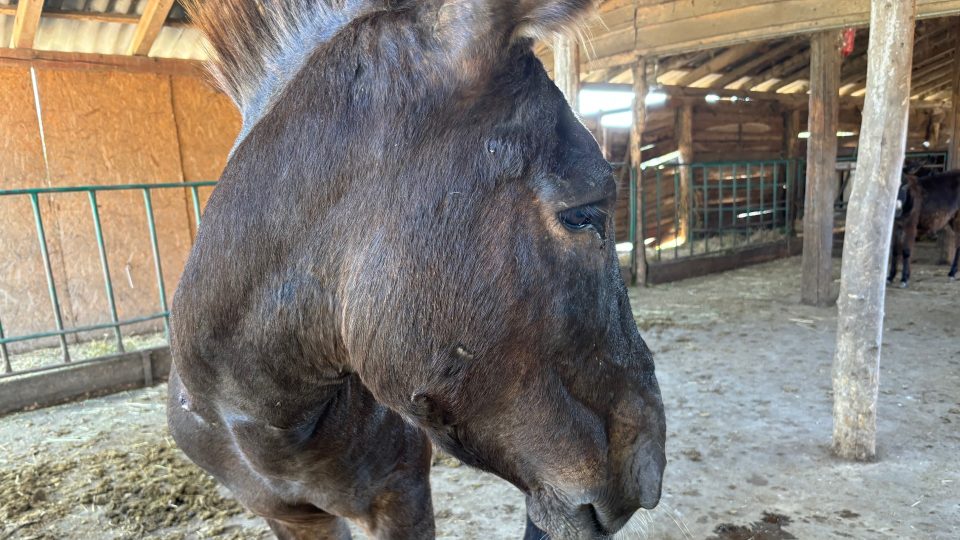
(750, 59)
(103, 27)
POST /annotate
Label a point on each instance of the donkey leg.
(956, 241)
(909, 239)
(894, 254)
(325, 527)
(905, 277)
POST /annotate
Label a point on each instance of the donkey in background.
(925, 205)
(411, 239)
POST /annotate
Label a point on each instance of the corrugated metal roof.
(57, 32)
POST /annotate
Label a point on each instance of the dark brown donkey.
(925, 205)
(411, 239)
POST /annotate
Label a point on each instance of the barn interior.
(112, 138)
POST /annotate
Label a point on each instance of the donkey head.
(462, 216)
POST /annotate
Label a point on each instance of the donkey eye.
(584, 217)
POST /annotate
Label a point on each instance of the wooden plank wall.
(24, 302)
(102, 128)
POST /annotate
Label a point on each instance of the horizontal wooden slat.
(93, 16)
(684, 25)
(99, 62)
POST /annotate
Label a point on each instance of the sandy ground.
(745, 375)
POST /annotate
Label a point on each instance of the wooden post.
(566, 68)
(791, 129)
(639, 270)
(685, 147)
(883, 136)
(954, 120)
(817, 266)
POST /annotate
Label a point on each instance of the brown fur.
(930, 204)
(396, 250)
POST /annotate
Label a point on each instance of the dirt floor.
(745, 375)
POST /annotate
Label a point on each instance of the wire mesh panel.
(58, 330)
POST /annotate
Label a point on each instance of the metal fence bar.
(733, 214)
(793, 169)
(632, 204)
(763, 199)
(676, 211)
(720, 198)
(51, 285)
(776, 188)
(152, 226)
(690, 208)
(119, 187)
(107, 282)
(196, 205)
(80, 329)
(706, 213)
(749, 210)
(659, 203)
(7, 368)
(642, 223)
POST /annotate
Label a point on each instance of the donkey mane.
(256, 46)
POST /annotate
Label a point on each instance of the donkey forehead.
(526, 114)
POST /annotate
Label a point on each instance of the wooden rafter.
(151, 22)
(778, 71)
(747, 67)
(90, 16)
(719, 62)
(25, 24)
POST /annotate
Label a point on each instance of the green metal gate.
(115, 323)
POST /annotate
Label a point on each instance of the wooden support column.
(883, 135)
(566, 68)
(639, 270)
(685, 148)
(817, 266)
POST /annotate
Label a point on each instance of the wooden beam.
(718, 62)
(566, 68)
(25, 23)
(151, 22)
(856, 365)
(684, 132)
(99, 62)
(90, 16)
(639, 267)
(817, 266)
(676, 26)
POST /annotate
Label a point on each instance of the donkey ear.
(539, 18)
(468, 27)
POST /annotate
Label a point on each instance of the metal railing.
(704, 208)
(115, 323)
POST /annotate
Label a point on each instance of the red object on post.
(849, 36)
